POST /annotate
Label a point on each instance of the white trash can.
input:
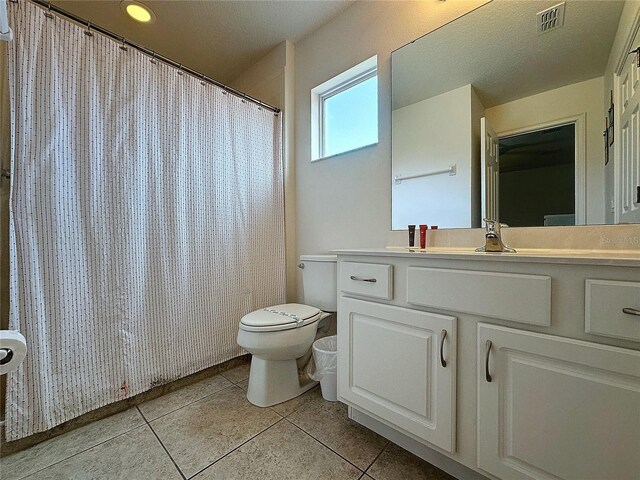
(325, 356)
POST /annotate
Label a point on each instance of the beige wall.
(432, 135)
(265, 79)
(345, 201)
(272, 80)
(583, 97)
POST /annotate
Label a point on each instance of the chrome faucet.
(493, 240)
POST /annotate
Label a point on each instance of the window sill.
(335, 155)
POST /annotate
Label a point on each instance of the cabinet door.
(399, 365)
(552, 407)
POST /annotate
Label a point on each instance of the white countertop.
(622, 258)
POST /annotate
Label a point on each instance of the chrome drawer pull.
(443, 362)
(631, 311)
(486, 361)
(358, 279)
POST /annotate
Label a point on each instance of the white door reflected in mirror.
(490, 179)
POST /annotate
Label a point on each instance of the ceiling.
(498, 50)
(221, 39)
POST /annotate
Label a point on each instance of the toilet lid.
(281, 317)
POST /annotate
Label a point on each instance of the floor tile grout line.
(297, 408)
(234, 382)
(377, 457)
(142, 415)
(279, 414)
(236, 448)
(146, 422)
(162, 445)
(186, 404)
(82, 451)
(325, 445)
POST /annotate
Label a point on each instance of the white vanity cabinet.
(400, 365)
(560, 394)
(552, 407)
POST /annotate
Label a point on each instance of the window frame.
(339, 84)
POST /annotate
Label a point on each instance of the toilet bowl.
(279, 337)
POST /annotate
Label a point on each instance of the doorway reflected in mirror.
(537, 178)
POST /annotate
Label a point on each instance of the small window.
(345, 111)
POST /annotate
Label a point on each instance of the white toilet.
(279, 338)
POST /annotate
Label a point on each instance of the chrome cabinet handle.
(443, 362)
(486, 361)
(358, 279)
(631, 311)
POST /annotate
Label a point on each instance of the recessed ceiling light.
(139, 12)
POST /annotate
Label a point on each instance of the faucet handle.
(491, 225)
(493, 238)
(494, 225)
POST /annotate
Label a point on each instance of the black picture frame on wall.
(610, 130)
(605, 135)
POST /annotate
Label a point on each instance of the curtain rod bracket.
(48, 13)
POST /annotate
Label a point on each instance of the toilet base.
(275, 381)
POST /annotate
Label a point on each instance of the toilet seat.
(280, 317)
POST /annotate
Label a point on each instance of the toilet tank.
(319, 277)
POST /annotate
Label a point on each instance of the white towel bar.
(451, 171)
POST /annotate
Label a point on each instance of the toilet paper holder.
(6, 354)
(13, 349)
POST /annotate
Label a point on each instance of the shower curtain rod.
(154, 56)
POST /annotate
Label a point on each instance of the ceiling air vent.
(551, 18)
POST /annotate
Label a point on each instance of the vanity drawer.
(367, 279)
(508, 296)
(604, 301)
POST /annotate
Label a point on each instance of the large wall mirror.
(522, 111)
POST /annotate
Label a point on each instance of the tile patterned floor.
(209, 431)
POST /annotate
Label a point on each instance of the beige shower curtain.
(146, 219)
